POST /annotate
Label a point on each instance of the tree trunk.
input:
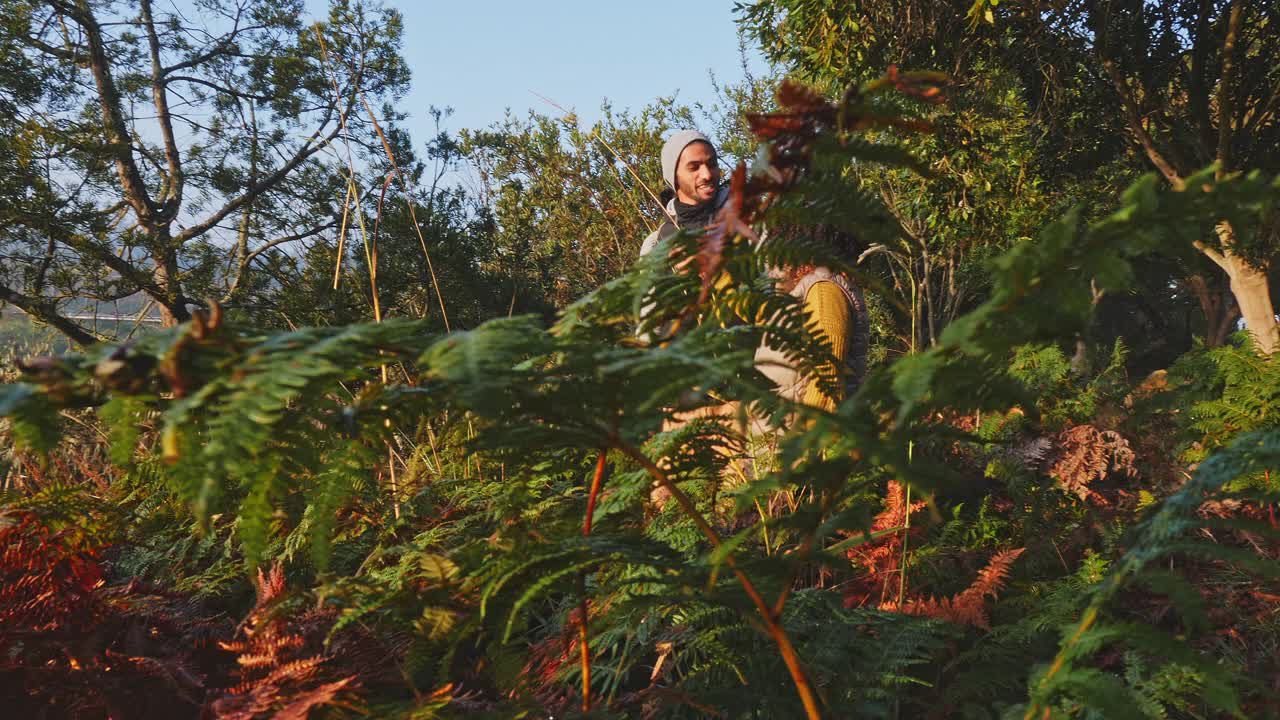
(1253, 295)
(173, 306)
(1251, 289)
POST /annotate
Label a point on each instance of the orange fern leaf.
(968, 607)
(1085, 455)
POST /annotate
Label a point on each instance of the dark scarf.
(695, 216)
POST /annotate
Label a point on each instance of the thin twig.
(370, 249)
(413, 215)
(342, 237)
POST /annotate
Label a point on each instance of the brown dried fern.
(881, 557)
(1087, 454)
(279, 670)
(286, 666)
(968, 607)
(72, 646)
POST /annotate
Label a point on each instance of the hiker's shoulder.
(650, 242)
(664, 231)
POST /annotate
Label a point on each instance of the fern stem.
(906, 537)
(1090, 616)
(597, 480)
(778, 633)
(391, 469)
(764, 527)
(594, 492)
(342, 237)
(906, 533)
(584, 650)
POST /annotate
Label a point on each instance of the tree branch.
(251, 256)
(309, 148)
(216, 87)
(1224, 90)
(160, 97)
(117, 133)
(61, 53)
(1134, 119)
(220, 46)
(1260, 118)
(288, 239)
(1218, 258)
(141, 279)
(45, 311)
(1199, 91)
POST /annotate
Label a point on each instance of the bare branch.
(47, 312)
(1134, 119)
(160, 97)
(1224, 87)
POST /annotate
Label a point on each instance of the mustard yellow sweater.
(829, 309)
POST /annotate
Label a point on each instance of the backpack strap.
(667, 230)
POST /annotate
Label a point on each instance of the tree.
(974, 189)
(570, 204)
(167, 154)
(1112, 89)
(1194, 83)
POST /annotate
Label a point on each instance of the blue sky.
(482, 56)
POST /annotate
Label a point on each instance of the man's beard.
(696, 215)
(698, 192)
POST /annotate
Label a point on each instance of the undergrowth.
(377, 519)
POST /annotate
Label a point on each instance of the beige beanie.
(676, 145)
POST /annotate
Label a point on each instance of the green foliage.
(1249, 389)
(1161, 533)
(570, 203)
(430, 489)
(31, 416)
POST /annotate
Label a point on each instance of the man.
(691, 168)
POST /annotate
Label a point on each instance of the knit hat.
(676, 145)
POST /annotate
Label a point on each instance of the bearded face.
(697, 174)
